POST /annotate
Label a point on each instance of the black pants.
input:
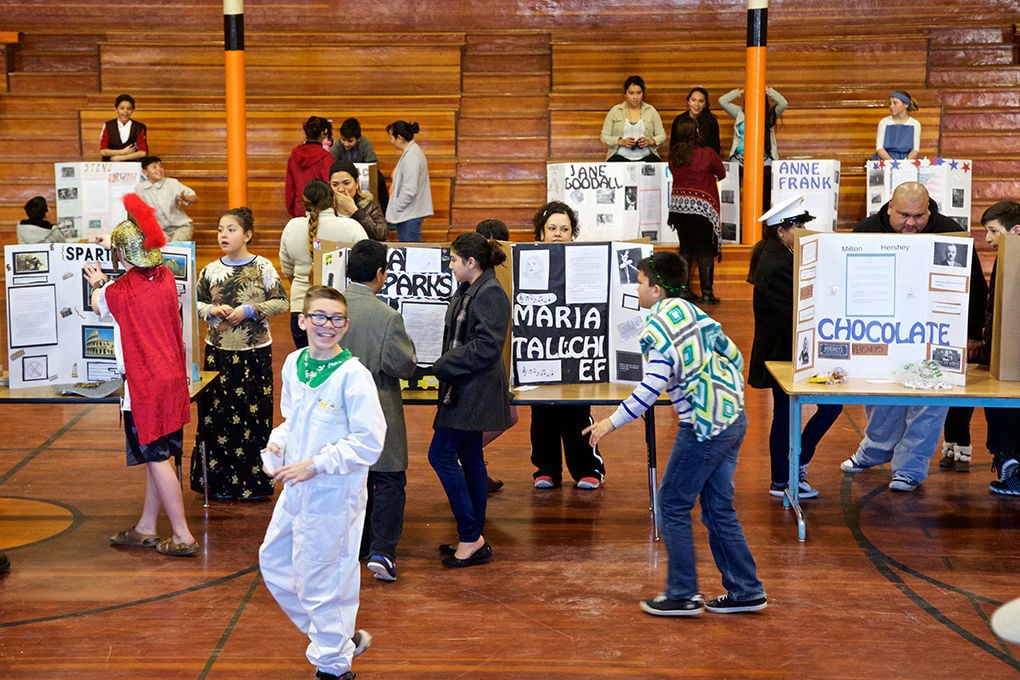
(563, 422)
(384, 515)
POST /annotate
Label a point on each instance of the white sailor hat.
(787, 213)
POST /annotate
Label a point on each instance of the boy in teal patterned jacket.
(699, 367)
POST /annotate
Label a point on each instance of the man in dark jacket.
(906, 435)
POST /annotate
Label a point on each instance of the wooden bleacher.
(484, 161)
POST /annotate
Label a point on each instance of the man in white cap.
(149, 347)
(772, 276)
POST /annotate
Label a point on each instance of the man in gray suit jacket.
(376, 335)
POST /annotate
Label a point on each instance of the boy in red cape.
(149, 346)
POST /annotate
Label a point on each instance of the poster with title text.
(576, 317)
(90, 196)
(419, 284)
(873, 303)
(53, 334)
(948, 182)
(613, 201)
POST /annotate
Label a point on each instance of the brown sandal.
(132, 538)
(167, 546)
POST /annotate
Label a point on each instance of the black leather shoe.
(448, 548)
(480, 556)
(495, 485)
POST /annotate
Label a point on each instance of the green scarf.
(314, 372)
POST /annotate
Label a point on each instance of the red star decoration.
(966, 167)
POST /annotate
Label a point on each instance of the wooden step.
(503, 147)
(975, 97)
(972, 55)
(482, 42)
(496, 105)
(52, 103)
(979, 142)
(518, 219)
(1006, 120)
(516, 126)
(509, 63)
(40, 147)
(38, 82)
(71, 41)
(503, 168)
(64, 126)
(480, 193)
(1000, 76)
(994, 190)
(57, 60)
(997, 166)
(500, 83)
(970, 35)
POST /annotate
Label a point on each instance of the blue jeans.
(704, 470)
(904, 435)
(467, 489)
(384, 515)
(408, 231)
(779, 436)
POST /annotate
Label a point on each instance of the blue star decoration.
(952, 165)
(895, 165)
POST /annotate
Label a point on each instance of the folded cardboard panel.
(1005, 363)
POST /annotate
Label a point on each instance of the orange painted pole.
(754, 122)
(237, 141)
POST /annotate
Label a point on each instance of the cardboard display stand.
(90, 196)
(368, 178)
(613, 201)
(948, 182)
(1005, 361)
(53, 334)
(576, 317)
(872, 303)
(817, 181)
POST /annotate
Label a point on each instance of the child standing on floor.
(1003, 425)
(556, 222)
(149, 347)
(236, 296)
(333, 431)
(699, 367)
(474, 395)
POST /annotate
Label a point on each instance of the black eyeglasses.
(338, 321)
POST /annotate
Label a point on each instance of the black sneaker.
(362, 640)
(663, 606)
(323, 675)
(724, 604)
(1006, 487)
(1005, 465)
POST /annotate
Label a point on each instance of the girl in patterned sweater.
(236, 296)
(699, 367)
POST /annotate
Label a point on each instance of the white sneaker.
(804, 489)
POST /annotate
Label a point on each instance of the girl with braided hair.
(298, 245)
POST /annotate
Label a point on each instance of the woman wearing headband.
(899, 135)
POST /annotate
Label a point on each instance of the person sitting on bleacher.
(167, 196)
(36, 228)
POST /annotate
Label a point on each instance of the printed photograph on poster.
(806, 314)
(34, 368)
(808, 253)
(630, 198)
(86, 287)
(605, 196)
(833, 350)
(35, 262)
(423, 320)
(67, 193)
(534, 270)
(627, 265)
(951, 254)
(97, 342)
(949, 359)
(629, 367)
(631, 328)
(804, 343)
(728, 231)
(629, 301)
(177, 264)
(67, 172)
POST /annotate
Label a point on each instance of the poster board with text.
(948, 182)
(872, 303)
(90, 196)
(53, 334)
(817, 181)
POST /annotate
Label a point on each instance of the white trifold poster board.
(873, 303)
(576, 317)
(368, 178)
(729, 209)
(817, 181)
(419, 284)
(53, 334)
(613, 201)
(90, 196)
(948, 182)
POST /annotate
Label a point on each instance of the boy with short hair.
(167, 196)
(376, 335)
(149, 347)
(1003, 425)
(333, 431)
(699, 367)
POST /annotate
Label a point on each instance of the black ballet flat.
(448, 549)
(480, 556)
